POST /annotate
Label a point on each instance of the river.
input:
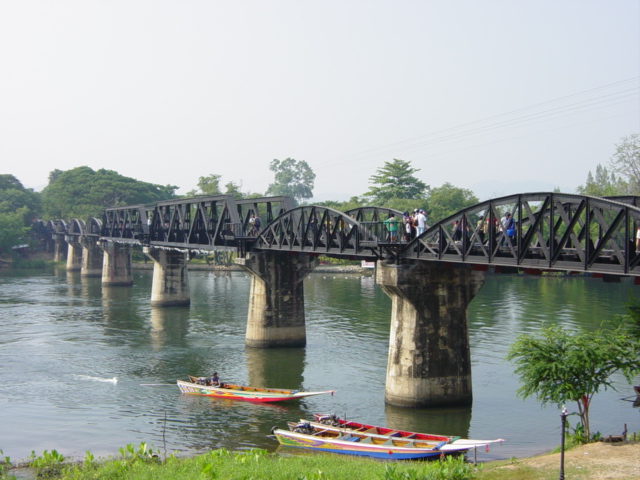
(74, 358)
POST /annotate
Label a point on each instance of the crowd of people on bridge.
(415, 224)
(406, 229)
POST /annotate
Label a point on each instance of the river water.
(74, 358)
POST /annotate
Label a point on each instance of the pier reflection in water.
(74, 355)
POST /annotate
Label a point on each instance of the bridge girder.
(553, 232)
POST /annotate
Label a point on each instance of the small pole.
(563, 418)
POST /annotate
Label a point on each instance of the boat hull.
(247, 394)
(345, 447)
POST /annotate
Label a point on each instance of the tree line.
(83, 192)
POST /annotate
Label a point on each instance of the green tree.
(292, 178)
(14, 197)
(604, 184)
(209, 185)
(626, 163)
(447, 200)
(12, 230)
(82, 192)
(559, 367)
(395, 180)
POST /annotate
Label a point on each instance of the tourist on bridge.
(407, 224)
(421, 222)
(391, 223)
(508, 228)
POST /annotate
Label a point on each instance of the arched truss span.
(320, 230)
(76, 227)
(552, 231)
(372, 214)
(93, 226)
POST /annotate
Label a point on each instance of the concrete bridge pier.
(60, 248)
(429, 360)
(170, 285)
(74, 254)
(92, 257)
(276, 303)
(116, 266)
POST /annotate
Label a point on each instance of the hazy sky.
(486, 95)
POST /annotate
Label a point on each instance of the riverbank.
(595, 461)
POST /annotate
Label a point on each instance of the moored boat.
(198, 386)
(332, 421)
(636, 388)
(361, 444)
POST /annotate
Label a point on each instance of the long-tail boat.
(198, 386)
(335, 422)
(361, 444)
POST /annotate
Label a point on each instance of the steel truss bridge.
(553, 232)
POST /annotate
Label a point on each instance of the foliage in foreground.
(141, 463)
(559, 366)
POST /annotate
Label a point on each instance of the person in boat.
(214, 380)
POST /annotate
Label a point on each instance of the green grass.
(143, 464)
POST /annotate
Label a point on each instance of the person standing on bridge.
(391, 223)
(508, 228)
(421, 220)
(407, 223)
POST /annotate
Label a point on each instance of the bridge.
(431, 279)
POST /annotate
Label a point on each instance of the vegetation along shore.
(593, 461)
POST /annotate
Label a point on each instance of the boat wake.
(113, 380)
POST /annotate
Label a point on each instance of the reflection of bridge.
(431, 279)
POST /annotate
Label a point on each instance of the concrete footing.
(276, 305)
(429, 360)
(170, 277)
(116, 265)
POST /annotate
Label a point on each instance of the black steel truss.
(319, 230)
(552, 232)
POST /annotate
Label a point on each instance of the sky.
(496, 96)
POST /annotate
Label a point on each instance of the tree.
(395, 180)
(447, 200)
(292, 178)
(209, 185)
(12, 230)
(605, 184)
(560, 367)
(82, 192)
(626, 162)
(14, 197)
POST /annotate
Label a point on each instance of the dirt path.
(595, 461)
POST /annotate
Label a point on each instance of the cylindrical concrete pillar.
(170, 277)
(74, 255)
(60, 248)
(429, 360)
(92, 257)
(276, 303)
(116, 266)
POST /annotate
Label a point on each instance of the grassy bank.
(141, 464)
(586, 462)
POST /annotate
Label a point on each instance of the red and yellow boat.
(196, 386)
